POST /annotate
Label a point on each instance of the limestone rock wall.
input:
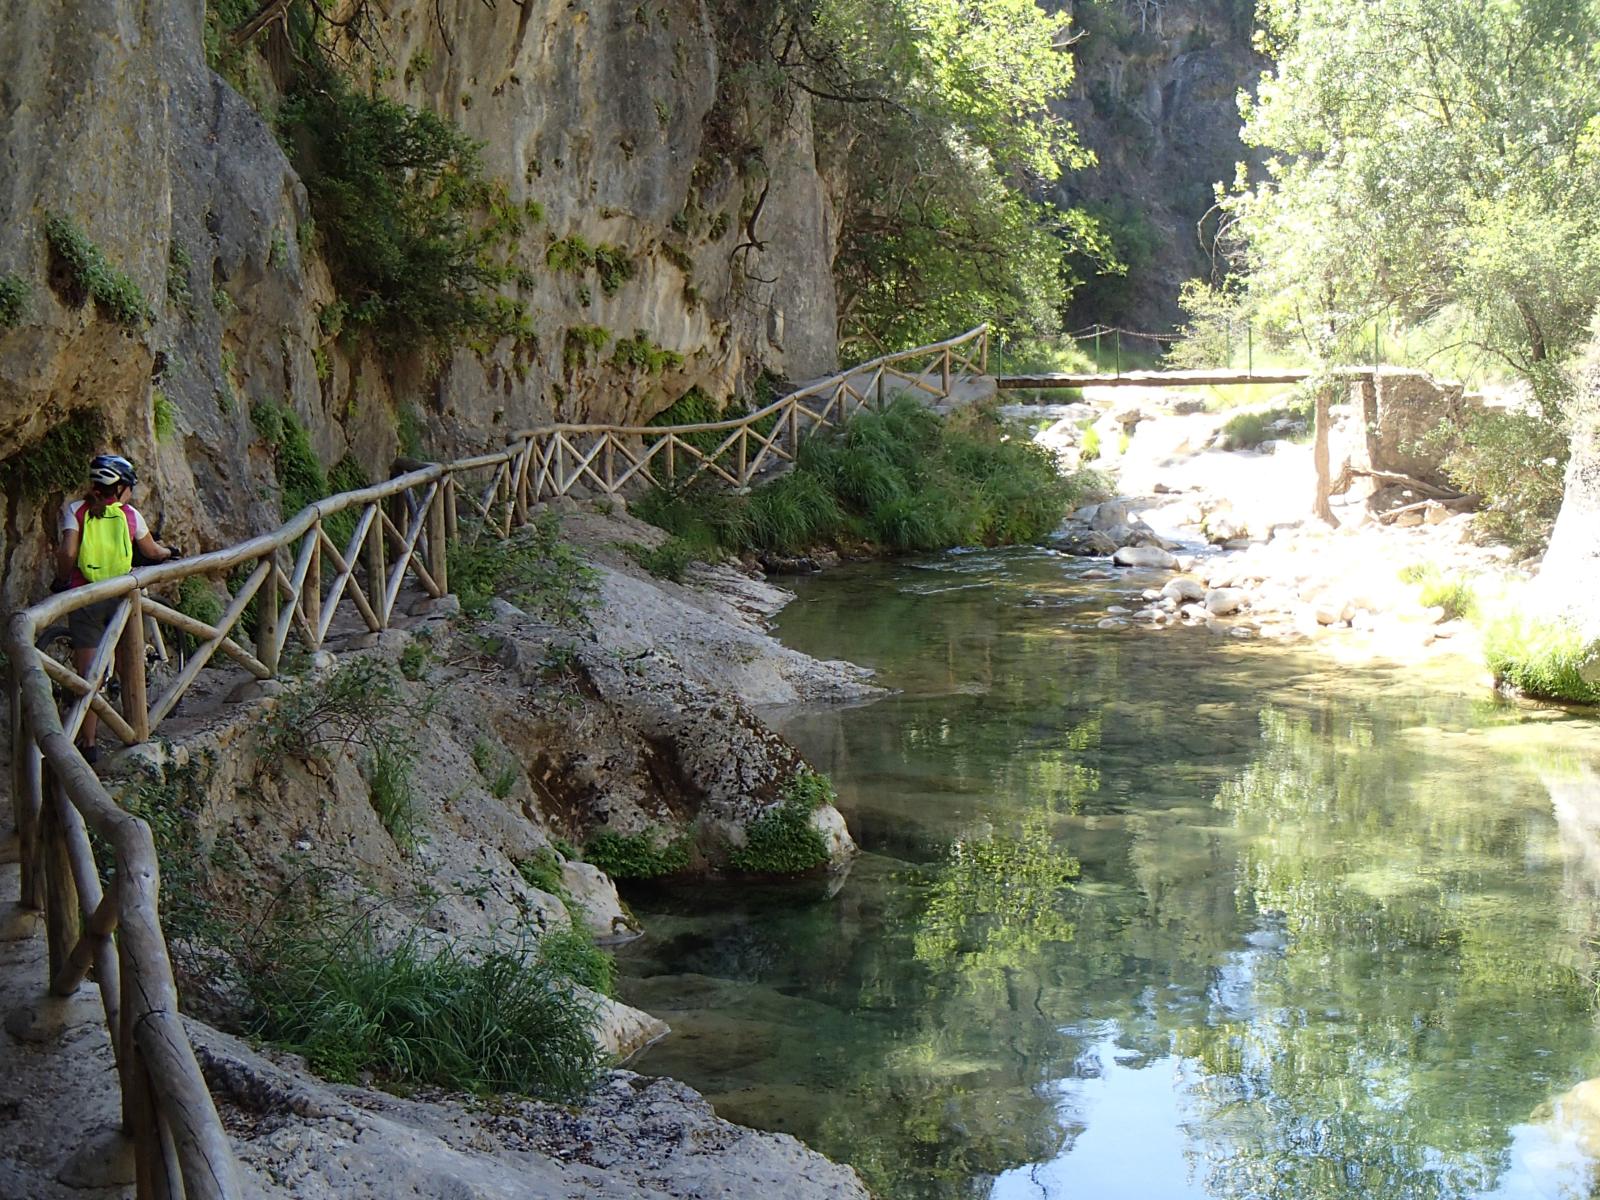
(606, 113)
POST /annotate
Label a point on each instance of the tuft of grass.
(179, 294)
(543, 871)
(14, 293)
(1546, 659)
(534, 569)
(415, 660)
(499, 769)
(392, 796)
(163, 415)
(671, 560)
(92, 277)
(496, 1018)
(1247, 430)
(301, 479)
(1453, 593)
(636, 855)
(198, 598)
(783, 841)
(581, 342)
(571, 952)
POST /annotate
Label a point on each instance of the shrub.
(197, 598)
(1543, 658)
(1515, 461)
(359, 701)
(783, 841)
(1455, 593)
(14, 293)
(534, 568)
(580, 342)
(636, 855)
(479, 1019)
(92, 277)
(415, 659)
(301, 479)
(639, 353)
(392, 189)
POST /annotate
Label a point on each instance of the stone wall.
(1392, 426)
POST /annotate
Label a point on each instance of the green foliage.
(14, 292)
(359, 702)
(408, 430)
(482, 1019)
(1468, 172)
(1453, 593)
(945, 108)
(415, 660)
(1089, 443)
(614, 266)
(783, 841)
(580, 342)
(90, 276)
(902, 480)
(163, 415)
(395, 191)
(543, 871)
(1543, 658)
(347, 475)
(499, 769)
(571, 952)
(573, 254)
(1247, 430)
(393, 798)
(57, 463)
(637, 855)
(198, 598)
(639, 353)
(534, 569)
(301, 479)
(170, 802)
(1515, 461)
(670, 560)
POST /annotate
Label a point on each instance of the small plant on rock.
(783, 840)
(534, 568)
(499, 769)
(637, 855)
(14, 292)
(91, 276)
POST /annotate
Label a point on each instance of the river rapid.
(1153, 915)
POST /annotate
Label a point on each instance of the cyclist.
(98, 534)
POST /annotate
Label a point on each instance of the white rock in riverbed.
(1222, 601)
(1144, 556)
(1184, 590)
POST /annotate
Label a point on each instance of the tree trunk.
(1569, 579)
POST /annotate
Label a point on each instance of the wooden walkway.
(1159, 379)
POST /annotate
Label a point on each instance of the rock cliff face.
(1156, 99)
(606, 113)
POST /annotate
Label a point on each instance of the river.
(1153, 915)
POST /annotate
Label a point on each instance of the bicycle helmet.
(111, 470)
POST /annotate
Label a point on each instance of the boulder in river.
(1145, 556)
(1221, 602)
(1183, 590)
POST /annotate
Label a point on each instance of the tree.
(1427, 157)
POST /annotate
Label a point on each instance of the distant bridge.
(1206, 378)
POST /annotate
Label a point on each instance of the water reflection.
(1330, 935)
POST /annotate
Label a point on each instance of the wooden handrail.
(180, 1146)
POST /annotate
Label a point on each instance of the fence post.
(267, 616)
(880, 391)
(135, 703)
(27, 799)
(377, 573)
(61, 921)
(1119, 353)
(452, 522)
(311, 590)
(1250, 348)
(744, 454)
(944, 372)
(438, 549)
(983, 351)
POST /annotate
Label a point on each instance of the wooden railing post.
(983, 350)
(311, 589)
(267, 616)
(452, 519)
(672, 458)
(944, 372)
(377, 571)
(27, 797)
(744, 456)
(61, 918)
(438, 546)
(130, 650)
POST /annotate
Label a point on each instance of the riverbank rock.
(1222, 602)
(1145, 556)
(1183, 590)
(632, 1138)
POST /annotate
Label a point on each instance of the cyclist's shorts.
(87, 624)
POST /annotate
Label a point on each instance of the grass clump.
(499, 769)
(301, 479)
(901, 480)
(1544, 658)
(163, 415)
(783, 841)
(14, 292)
(1247, 430)
(639, 353)
(57, 463)
(179, 294)
(1453, 593)
(90, 276)
(671, 560)
(571, 952)
(582, 342)
(534, 569)
(636, 855)
(496, 1018)
(391, 794)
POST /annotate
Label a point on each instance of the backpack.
(105, 549)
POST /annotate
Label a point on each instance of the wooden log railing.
(354, 551)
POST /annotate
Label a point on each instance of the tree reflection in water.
(1327, 939)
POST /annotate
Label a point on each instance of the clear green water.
(1331, 935)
